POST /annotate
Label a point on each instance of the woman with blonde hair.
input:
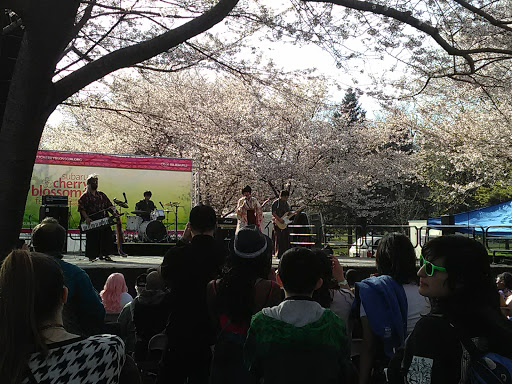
(35, 346)
(115, 293)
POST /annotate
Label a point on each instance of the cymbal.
(171, 204)
(167, 210)
(140, 212)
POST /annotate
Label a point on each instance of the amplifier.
(54, 200)
(226, 222)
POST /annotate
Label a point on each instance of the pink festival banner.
(113, 161)
(65, 173)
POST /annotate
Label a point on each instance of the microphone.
(124, 194)
(161, 204)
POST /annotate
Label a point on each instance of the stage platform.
(132, 266)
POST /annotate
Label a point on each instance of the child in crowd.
(35, 346)
(297, 341)
(115, 293)
(456, 277)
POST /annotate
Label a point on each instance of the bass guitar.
(287, 218)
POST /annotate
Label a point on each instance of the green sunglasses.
(429, 267)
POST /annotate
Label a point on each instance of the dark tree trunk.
(28, 107)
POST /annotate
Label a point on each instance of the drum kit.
(152, 231)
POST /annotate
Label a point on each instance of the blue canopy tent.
(499, 214)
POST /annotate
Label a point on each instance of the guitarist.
(281, 237)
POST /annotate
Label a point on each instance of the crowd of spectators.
(227, 317)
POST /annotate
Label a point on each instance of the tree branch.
(140, 52)
(406, 18)
(485, 15)
(78, 26)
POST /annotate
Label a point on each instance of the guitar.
(286, 218)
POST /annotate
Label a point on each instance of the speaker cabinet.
(225, 231)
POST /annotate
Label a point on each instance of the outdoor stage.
(132, 266)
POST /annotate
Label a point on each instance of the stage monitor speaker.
(58, 212)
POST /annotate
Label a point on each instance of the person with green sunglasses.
(455, 275)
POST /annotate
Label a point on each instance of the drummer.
(145, 205)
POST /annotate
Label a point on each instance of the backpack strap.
(270, 291)
(468, 344)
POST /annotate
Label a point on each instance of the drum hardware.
(176, 206)
(140, 212)
(120, 203)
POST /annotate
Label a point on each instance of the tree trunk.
(28, 107)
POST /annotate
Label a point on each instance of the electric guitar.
(286, 218)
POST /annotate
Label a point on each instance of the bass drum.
(152, 231)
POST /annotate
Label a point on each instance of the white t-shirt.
(342, 304)
(417, 306)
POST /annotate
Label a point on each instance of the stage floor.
(153, 261)
(138, 262)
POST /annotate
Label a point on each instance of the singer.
(145, 206)
(248, 210)
(94, 205)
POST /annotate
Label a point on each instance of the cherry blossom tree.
(273, 137)
(463, 136)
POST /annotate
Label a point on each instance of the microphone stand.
(30, 228)
(176, 206)
(176, 223)
(166, 211)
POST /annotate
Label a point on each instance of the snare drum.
(157, 214)
(133, 223)
(152, 231)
